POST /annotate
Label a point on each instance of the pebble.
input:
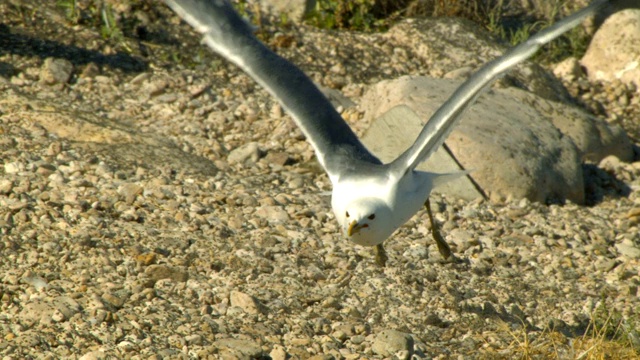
(241, 348)
(159, 272)
(5, 185)
(249, 151)
(247, 303)
(628, 249)
(129, 191)
(14, 167)
(273, 214)
(56, 71)
(392, 342)
(278, 353)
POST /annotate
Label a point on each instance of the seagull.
(370, 200)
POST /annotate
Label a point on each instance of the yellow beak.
(353, 228)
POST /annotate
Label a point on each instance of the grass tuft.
(607, 336)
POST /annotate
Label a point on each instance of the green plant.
(608, 335)
(521, 34)
(71, 10)
(609, 325)
(344, 14)
(109, 28)
(542, 15)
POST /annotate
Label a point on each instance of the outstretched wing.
(227, 34)
(447, 116)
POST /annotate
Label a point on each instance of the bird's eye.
(372, 216)
(346, 214)
(365, 225)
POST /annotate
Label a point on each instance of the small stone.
(634, 216)
(113, 300)
(45, 169)
(146, 259)
(434, 320)
(95, 355)
(36, 281)
(57, 316)
(296, 183)
(13, 167)
(340, 335)
(273, 214)
(5, 186)
(156, 88)
(276, 111)
(197, 90)
(89, 71)
(167, 98)
(195, 339)
(126, 346)
(278, 158)
(129, 191)
(139, 79)
(56, 71)
(357, 339)
(390, 342)
(247, 152)
(568, 69)
(159, 272)
(246, 302)
(628, 249)
(278, 353)
(244, 349)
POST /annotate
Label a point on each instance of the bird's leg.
(443, 247)
(381, 255)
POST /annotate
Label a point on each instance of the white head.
(365, 221)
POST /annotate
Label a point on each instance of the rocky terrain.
(156, 203)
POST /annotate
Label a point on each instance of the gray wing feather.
(447, 116)
(230, 36)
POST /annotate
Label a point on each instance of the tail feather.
(441, 179)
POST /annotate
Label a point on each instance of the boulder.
(516, 144)
(614, 52)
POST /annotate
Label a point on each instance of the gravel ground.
(155, 210)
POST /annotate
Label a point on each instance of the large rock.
(516, 144)
(614, 52)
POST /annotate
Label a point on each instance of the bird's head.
(366, 221)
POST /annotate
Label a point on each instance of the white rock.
(13, 167)
(614, 52)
